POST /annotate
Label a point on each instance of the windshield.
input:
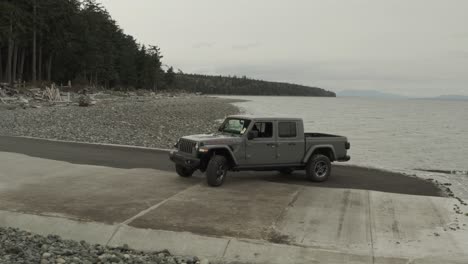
(234, 126)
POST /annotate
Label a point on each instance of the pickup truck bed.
(337, 144)
(319, 135)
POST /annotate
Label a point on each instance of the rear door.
(262, 150)
(291, 144)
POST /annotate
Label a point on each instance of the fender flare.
(212, 148)
(314, 148)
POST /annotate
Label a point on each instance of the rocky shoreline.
(17, 246)
(149, 120)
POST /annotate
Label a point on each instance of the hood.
(214, 139)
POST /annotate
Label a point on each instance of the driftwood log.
(52, 94)
(7, 91)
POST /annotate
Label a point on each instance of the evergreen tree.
(169, 77)
(77, 40)
(73, 40)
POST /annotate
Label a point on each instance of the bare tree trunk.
(1, 65)
(15, 63)
(33, 63)
(91, 76)
(39, 76)
(21, 68)
(11, 43)
(49, 68)
(85, 75)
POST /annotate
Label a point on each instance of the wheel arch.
(219, 150)
(326, 150)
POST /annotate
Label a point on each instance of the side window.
(265, 129)
(287, 129)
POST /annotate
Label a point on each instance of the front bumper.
(184, 160)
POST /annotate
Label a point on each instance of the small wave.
(452, 172)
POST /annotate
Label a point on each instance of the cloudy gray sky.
(409, 47)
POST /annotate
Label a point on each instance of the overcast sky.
(409, 47)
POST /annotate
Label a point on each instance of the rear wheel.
(184, 171)
(318, 168)
(216, 171)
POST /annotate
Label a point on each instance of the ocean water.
(392, 134)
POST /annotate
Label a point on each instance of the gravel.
(18, 246)
(150, 121)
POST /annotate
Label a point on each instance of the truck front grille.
(186, 145)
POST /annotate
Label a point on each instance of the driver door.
(262, 149)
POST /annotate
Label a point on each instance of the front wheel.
(183, 171)
(216, 170)
(318, 168)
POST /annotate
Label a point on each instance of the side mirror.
(252, 134)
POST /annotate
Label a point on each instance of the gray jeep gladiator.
(261, 144)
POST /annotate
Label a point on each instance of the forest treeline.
(243, 86)
(44, 41)
(76, 40)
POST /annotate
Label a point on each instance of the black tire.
(216, 171)
(318, 168)
(183, 171)
(286, 171)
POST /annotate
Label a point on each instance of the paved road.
(121, 157)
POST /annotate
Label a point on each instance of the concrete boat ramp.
(253, 218)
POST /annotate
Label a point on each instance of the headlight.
(203, 150)
(200, 148)
(176, 145)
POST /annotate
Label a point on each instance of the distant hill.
(367, 93)
(208, 84)
(378, 94)
(452, 97)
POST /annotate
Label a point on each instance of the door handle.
(271, 145)
(292, 144)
